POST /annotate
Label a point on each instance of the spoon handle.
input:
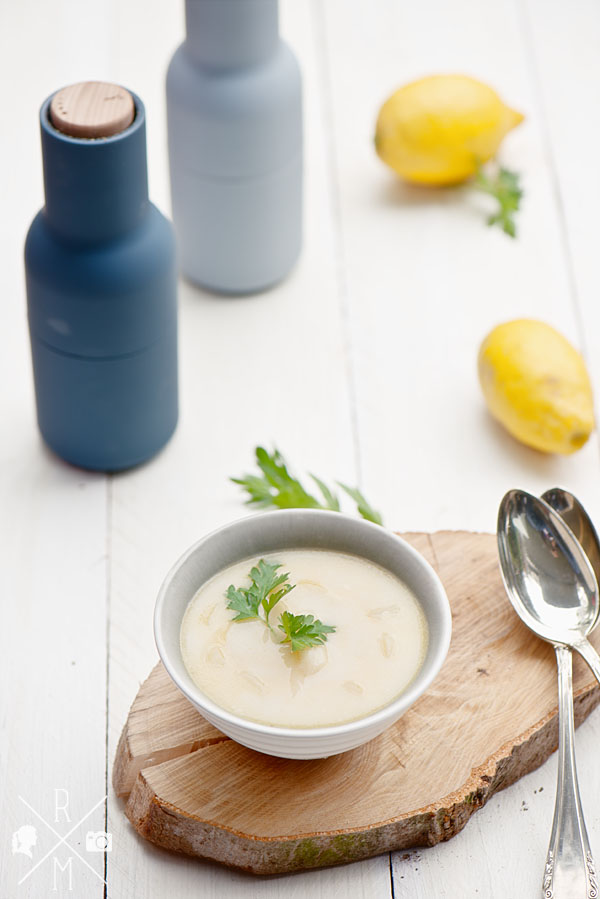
(587, 651)
(569, 872)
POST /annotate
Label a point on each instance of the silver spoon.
(570, 510)
(552, 587)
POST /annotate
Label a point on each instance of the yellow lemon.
(436, 130)
(536, 384)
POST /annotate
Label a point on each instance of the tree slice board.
(489, 718)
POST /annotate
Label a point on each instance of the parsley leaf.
(242, 602)
(277, 488)
(264, 583)
(303, 631)
(262, 593)
(504, 186)
(331, 500)
(364, 509)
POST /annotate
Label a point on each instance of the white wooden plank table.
(368, 376)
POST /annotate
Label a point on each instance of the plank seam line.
(328, 114)
(108, 544)
(434, 554)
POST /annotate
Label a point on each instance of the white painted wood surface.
(374, 339)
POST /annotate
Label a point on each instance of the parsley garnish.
(261, 594)
(258, 600)
(275, 487)
(302, 631)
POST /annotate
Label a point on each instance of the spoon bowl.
(572, 512)
(548, 577)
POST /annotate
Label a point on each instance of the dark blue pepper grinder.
(101, 285)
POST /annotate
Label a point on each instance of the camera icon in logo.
(98, 841)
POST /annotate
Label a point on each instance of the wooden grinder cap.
(92, 109)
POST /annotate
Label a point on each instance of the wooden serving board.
(489, 718)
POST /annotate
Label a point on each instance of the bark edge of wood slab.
(489, 718)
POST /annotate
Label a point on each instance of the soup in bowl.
(302, 633)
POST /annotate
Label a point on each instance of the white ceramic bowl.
(299, 529)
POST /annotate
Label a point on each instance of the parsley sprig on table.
(257, 601)
(275, 487)
(505, 188)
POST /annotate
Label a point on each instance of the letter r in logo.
(61, 796)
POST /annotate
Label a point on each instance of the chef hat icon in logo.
(23, 840)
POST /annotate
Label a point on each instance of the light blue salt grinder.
(101, 285)
(234, 109)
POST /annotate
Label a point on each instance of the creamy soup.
(378, 646)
